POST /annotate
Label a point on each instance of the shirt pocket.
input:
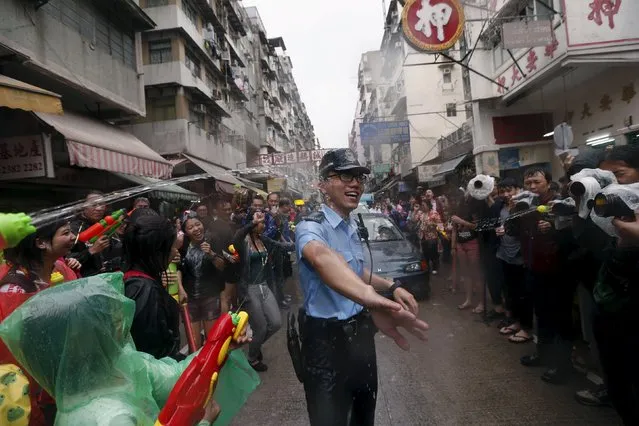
(355, 260)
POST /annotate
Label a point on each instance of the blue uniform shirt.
(320, 301)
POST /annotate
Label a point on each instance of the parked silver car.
(393, 255)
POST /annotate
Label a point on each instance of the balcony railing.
(458, 142)
(236, 53)
(237, 16)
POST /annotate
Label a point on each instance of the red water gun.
(191, 393)
(94, 232)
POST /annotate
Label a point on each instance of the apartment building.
(208, 68)
(584, 73)
(425, 90)
(283, 120)
(87, 55)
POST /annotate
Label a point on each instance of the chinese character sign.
(22, 157)
(432, 25)
(384, 132)
(279, 159)
(594, 23)
(303, 156)
(283, 159)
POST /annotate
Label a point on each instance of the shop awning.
(19, 95)
(216, 172)
(388, 185)
(252, 186)
(99, 145)
(448, 166)
(169, 192)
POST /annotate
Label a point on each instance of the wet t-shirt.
(509, 247)
(200, 278)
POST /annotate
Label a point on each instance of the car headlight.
(413, 267)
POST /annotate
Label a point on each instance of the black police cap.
(341, 160)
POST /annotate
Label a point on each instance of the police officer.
(341, 310)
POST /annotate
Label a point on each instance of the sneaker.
(597, 397)
(434, 272)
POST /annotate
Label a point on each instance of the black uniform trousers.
(340, 370)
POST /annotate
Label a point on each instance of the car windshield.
(381, 228)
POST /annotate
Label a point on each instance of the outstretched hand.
(389, 322)
(388, 316)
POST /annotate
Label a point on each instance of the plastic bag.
(74, 340)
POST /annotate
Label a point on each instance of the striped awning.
(99, 145)
(19, 95)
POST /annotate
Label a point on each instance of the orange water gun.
(194, 388)
(98, 229)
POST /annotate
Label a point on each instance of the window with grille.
(447, 76)
(451, 110)
(192, 63)
(160, 51)
(96, 27)
(161, 109)
(189, 11)
(196, 115)
(210, 81)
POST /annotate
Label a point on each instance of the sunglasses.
(348, 178)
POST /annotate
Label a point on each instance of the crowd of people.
(528, 264)
(236, 257)
(534, 272)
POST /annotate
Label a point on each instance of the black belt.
(349, 327)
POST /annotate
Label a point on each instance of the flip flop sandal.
(519, 339)
(463, 306)
(507, 331)
(478, 311)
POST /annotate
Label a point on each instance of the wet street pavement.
(465, 374)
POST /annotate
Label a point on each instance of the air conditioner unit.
(447, 87)
(200, 108)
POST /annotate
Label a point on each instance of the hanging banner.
(432, 25)
(281, 159)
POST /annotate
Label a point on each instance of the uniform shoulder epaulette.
(315, 217)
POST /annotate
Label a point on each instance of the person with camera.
(545, 250)
(342, 308)
(616, 295)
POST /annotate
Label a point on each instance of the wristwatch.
(395, 286)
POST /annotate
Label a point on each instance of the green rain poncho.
(74, 340)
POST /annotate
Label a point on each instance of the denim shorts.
(204, 309)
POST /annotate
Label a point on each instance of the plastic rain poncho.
(593, 181)
(75, 342)
(630, 196)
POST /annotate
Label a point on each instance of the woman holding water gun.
(30, 267)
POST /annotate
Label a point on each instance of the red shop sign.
(432, 25)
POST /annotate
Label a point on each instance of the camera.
(565, 207)
(611, 205)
